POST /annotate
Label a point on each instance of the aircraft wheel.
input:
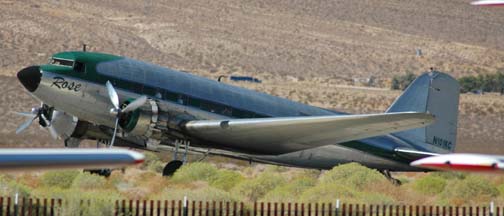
(172, 167)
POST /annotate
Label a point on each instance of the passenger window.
(79, 67)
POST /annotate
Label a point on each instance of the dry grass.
(306, 39)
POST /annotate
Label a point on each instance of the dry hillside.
(303, 49)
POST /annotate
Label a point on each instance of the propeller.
(117, 111)
(37, 112)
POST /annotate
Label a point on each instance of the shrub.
(485, 82)
(62, 179)
(10, 186)
(430, 185)
(254, 189)
(197, 171)
(471, 189)
(101, 202)
(156, 166)
(352, 174)
(328, 193)
(401, 82)
(150, 158)
(375, 198)
(291, 191)
(89, 181)
(201, 194)
(226, 179)
(450, 175)
(500, 188)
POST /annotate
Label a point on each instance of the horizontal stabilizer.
(272, 136)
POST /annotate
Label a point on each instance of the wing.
(462, 162)
(38, 159)
(289, 134)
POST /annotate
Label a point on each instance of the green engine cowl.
(140, 121)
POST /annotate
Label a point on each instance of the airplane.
(488, 3)
(50, 159)
(464, 162)
(119, 101)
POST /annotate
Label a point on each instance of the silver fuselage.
(92, 104)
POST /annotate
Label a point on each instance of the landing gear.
(389, 177)
(175, 164)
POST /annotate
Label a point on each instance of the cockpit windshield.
(62, 62)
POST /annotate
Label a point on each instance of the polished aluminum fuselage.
(91, 103)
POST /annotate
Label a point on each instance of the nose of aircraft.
(30, 77)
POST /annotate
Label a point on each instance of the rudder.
(438, 94)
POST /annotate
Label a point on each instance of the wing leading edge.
(272, 136)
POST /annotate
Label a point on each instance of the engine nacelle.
(141, 122)
(64, 124)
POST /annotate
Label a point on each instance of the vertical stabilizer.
(438, 94)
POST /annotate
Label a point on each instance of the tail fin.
(436, 93)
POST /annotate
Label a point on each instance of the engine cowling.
(142, 121)
(63, 123)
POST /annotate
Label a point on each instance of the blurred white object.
(462, 162)
(43, 159)
(488, 3)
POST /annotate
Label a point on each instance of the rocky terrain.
(309, 51)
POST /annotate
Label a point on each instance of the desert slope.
(303, 50)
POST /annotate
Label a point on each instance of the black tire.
(172, 167)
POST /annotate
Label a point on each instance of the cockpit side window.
(79, 67)
(62, 62)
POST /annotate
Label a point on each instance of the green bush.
(256, 188)
(471, 188)
(354, 175)
(9, 187)
(375, 198)
(401, 82)
(225, 179)
(89, 181)
(291, 191)
(500, 188)
(329, 193)
(197, 171)
(450, 175)
(62, 179)
(430, 185)
(150, 158)
(101, 202)
(202, 194)
(485, 82)
(156, 166)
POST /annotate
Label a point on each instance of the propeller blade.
(53, 132)
(25, 114)
(25, 125)
(137, 103)
(114, 98)
(115, 132)
(47, 122)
